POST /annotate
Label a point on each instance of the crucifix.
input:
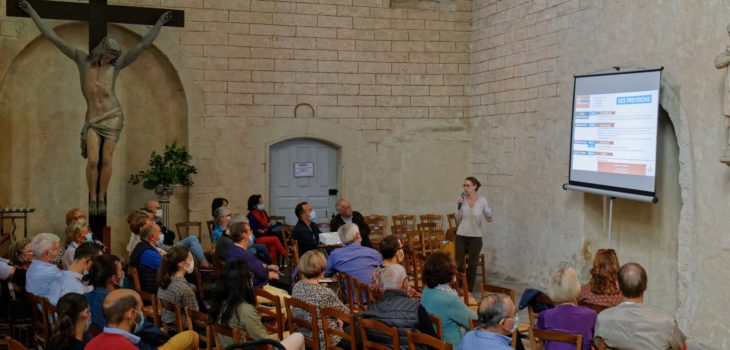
(98, 70)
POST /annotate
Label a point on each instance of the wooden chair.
(165, 305)
(296, 322)
(418, 261)
(184, 228)
(292, 251)
(542, 335)
(150, 308)
(438, 325)
(601, 345)
(209, 223)
(278, 219)
(533, 315)
(437, 219)
(14, 344)
(595, 307)
(419, 341)
(481, 268)
(52, 316)
(377, 326)
(197, 320)
(431, 238)
(362, 294)
(522, 327)
(377, 225)
(271, 316)
(345, 287)
(221, 330)
(40, 319)
(463, 289)
(402, 219)
(475, 324)
(451, 219)
(135, 279)
(346, 319)
(410, 237)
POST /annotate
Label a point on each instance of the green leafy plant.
(168, 169)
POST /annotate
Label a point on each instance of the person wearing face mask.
(173, 287)
(498, 319)
(78, 232)
(139, 218)
(72, 279)
(73, 317)
(43, 273)
(105, 275)
(145, 257)
(123, 310)
(259, 222)
(306, 231)
(153, 207)
(391, 249)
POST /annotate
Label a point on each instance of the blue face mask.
(138, 326)
(90, 237)
(312, 215)
(251, 240)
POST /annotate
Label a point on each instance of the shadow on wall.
(41, 114)
(643, 232)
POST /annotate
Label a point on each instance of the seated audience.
(140, 218)
(443, 301)
(71, 279)
(105, 275)
(345, 215)
(78, 232)
(154, 208)
(498, 319)
(259, 222)
(391, 250)
(262, 272)
(217, 203)
(222, 217)
(73, 215)
(221, 248)
(602, 289)
(311, 266)
(173, 287)
(234, 304)
(633, 324)
(145, 257)
(12, 271)
(566, 316)
(123, 311)
(72, 323)
(397, 309)
(306, 231)
(43, 273)
(353, 259)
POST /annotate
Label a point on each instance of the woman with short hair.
(566, 316)
(443, 301)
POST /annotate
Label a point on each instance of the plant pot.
(164, 192)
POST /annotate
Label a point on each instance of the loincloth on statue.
(107, 126)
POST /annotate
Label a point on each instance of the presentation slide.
(614, 136)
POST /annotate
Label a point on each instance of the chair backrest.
(451, 219)
(345, 287)
(415, 339)
(295, 322)
(431, 237)
(490, 288)
(410, 237)
(474, 323)
(197, 320)
(135, 279)
(542, 335)
(362, 294)
(600, 344)
(40, 318)
(14, 344)
(52, 316)
(347, 320)
(150, 307)
(377, 225)
(404, 219)
(437, 219)
(271, 316)
(209, 223)
(292, 248)
(595, 307)
(175, 309)
(278, 219)
(184, 228)
(542, 298)
(377, 326)
(222, 330)
(418, 261)
(438, 325)
(461, 287)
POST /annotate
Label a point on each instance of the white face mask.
(191, 267)
(158, 213)
(162, 238)
(260, 207)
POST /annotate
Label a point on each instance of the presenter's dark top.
(307, 236)
(358, 220)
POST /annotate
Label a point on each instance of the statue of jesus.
(104, 118)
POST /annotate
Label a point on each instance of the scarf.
(261, 217)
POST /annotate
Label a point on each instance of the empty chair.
(437, 219)
(377, 225)
(402, 219)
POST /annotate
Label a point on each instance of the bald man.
(153, 207)
(345, 215)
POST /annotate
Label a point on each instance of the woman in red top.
(602, 289)
(258, 219)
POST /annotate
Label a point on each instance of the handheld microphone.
(463, 194)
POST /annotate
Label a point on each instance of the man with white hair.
(498, 319)
(345, 215)
(397, 309)
(353, 259)
(42, 273)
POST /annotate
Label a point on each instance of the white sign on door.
(304, 169)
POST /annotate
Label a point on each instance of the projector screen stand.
(610, 219)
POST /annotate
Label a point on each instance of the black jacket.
(307, 236)
(396, 309)
(147, 276)
(358, 220)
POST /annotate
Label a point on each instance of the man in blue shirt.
(42, 273)
(145, 257)
(353, 259)
(71, 280)
(498, 320)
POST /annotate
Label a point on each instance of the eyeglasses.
(468, 185)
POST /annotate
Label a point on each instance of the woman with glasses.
(473, 213)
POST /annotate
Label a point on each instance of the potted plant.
(167, 170)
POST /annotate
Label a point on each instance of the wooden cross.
(97, 13)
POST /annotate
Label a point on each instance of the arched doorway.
(303, 169)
